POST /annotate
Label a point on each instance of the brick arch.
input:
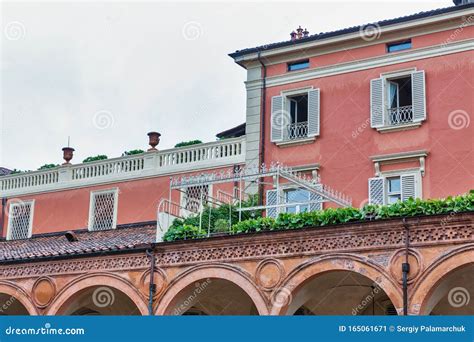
(310, 269)
(97, 279)
(19, 294)
(214, 271)
(434, 275)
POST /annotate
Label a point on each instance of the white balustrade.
(148, 164)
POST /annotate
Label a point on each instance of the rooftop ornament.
(154, 140)
(299, 34)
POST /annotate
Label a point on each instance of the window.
(398, 99)
(194, 195)
(103, 210)
(392, 188)
(394, 193)
(298, 125)
(398, 46)
(298, 196)
(295, 115)
(298, 65)
(20, 220)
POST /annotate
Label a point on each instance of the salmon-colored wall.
(69, 209)
(347, 141)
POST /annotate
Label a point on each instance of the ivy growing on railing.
(98, 157)
(182, 229)
(188, 143)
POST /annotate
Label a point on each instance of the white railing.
(149, 164)
(202, 152)
(108, 167)
(29, 179)
(399, 115)
(297, 130)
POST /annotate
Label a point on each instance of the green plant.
(47, 166)
(188, 143)
(95, 158)
(331, 216)
(132, 152)
(184, 232)
(221, 226)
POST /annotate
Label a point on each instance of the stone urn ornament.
(68, 153)
(154, 140)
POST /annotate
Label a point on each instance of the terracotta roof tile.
(56, 244)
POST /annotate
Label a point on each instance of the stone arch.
(109, 280)
(432, 277)
(16, 293)
(198, 273)
(315, 267)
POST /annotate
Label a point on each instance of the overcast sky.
(106, 73)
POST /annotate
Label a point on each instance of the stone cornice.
(366, 236)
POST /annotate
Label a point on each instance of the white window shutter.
(418, 94)
(376, 103)
(278, 119)
(271, 199)
(376, 190)
(409, 185)
(315, 197)
(314, 109)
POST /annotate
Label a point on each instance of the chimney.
(299, 34)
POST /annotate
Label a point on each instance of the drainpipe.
(262, 123)
(152, 287)
(2, 225)
(406, 268)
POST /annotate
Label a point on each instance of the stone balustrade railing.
(148, 164)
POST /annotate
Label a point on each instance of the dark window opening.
(398, 46)
(298, 65)
(298, 108)
(399, 96)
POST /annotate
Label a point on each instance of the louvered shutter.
(271, 199)
(408, 186)
(376, 103)
(376, 190)
(278, 119)
(418, 95)
(315, 197)
(313, 112)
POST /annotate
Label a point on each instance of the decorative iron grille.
(103, 210)
(20, 220)
(194, 196)
(400, 115)
(297, 130)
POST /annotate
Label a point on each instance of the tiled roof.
(324, 35)
(4, 171)
(55, 245)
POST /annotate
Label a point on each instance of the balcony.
(148, 164)
(297, 130)
(399, 116)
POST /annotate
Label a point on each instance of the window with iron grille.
(20, 220)
(103, 210)
(194, 195)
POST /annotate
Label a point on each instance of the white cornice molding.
(356, 35)
(369, 63)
